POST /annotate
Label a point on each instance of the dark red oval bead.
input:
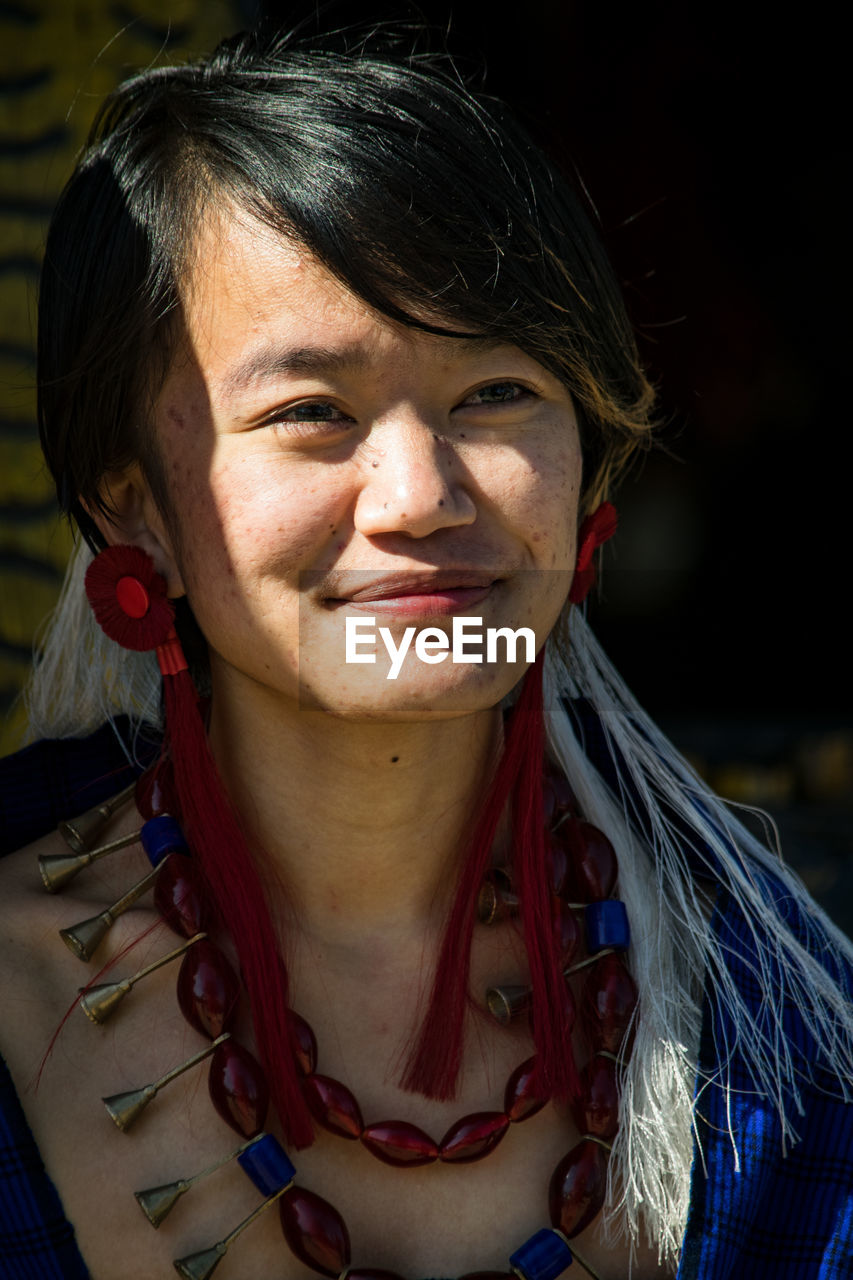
(557, 797)
(569, 931)
(578, 1186)
(597, 1110)
(154, 794)
(473, 1137)
(315, 1231)
(178, 896)
(208, 989)
(609, 1000)
(333, 1106)
(399, 1143)
(238, 1088)
(521, 1098)
(304, 1044)
(592, 861)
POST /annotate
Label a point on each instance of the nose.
(414, 484)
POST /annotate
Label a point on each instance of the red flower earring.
(128, 599)
(594, 531)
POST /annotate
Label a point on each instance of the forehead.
(257, 303)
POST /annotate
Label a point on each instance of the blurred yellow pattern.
(57, 60)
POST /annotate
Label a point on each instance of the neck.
(364, 821)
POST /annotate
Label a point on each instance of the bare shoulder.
(40, 976)
(29, 920)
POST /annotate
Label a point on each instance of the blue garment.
(771, 1218)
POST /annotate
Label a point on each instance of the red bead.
(597, 1111)
(304, 1044)
(557, 796)
(473, 1137)
(592, 861)
(609, 1000)
(399, 1143)
(238, 1088)
(132, 597)
(333, 1106)
(178, 896)
(521, 1098)
(208, 989)
(578, 1187)
(315, 1231)
(569, 931)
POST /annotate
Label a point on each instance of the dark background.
(711, 139)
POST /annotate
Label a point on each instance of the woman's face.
(325, 463)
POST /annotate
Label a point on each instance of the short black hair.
(427, 200)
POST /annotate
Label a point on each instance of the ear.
(133, 518)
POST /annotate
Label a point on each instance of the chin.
(408, 699)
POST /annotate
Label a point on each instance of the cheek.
(260, 525)
(547, 499)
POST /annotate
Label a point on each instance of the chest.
(440, 1220)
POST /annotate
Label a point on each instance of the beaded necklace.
(583, 874)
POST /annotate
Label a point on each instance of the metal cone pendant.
(126, 1108)
(85, 938)
(59, 869)
(101, 1001)
(158, 1202)
(82, 833)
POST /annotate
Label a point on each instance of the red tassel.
(594, 531)
(129, 600)
(434, 1066)
(551, 1014)
(237, 892)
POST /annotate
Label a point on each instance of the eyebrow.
(269, 361)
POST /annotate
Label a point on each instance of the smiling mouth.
(436, 593)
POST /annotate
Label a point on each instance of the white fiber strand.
(674, 952)
(82, 679)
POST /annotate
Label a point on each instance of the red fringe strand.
(237, 893)
(434, 1066)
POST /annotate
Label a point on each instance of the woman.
(328, 353)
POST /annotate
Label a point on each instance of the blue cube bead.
(161, 836)
(267, 1164)
(607, 925)
(543, 1257)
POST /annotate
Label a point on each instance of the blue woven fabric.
(755, 1214)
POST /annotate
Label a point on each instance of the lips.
(411, 593)
(395, 585)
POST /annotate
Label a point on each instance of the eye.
(309, 417)
(497, 393)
